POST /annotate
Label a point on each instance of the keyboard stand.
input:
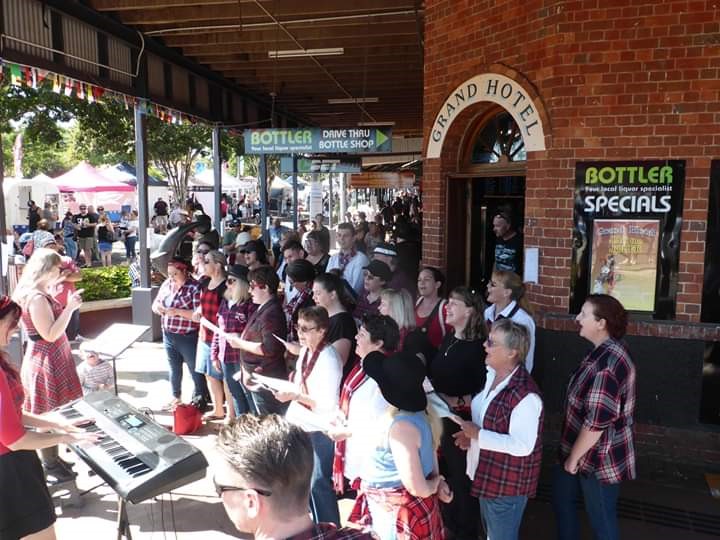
(123, 523)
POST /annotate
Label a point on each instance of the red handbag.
(187, 419)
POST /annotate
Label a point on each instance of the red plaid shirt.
(209, 305)
(329, 531)
(186, 297)
(417, 519)
(601, 397)
(503, 475)
(233, 321)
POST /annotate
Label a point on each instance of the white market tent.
(18, 191)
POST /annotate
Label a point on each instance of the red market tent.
(84, 178)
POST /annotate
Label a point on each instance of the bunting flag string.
(20, 75)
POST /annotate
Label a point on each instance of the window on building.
(500, 141)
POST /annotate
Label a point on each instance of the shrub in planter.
(105, 283)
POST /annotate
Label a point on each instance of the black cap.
(239, 271)
(250, 247)
(379, 269)
(400, 379)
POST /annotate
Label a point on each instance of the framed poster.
(626, 234)
(623, 261)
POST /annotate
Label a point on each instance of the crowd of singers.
(369, 349)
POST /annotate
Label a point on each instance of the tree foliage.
(59, 131)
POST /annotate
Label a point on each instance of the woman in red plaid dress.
(48, 371)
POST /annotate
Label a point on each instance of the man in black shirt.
(33, 216)
(323, 231)
(85, 226)
(508, 244)
(161, 215)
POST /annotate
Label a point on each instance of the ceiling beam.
(251, 13)
(309, 33)
(128, 5)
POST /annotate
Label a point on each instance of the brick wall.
(616, 80)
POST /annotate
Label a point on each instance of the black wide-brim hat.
(400, 379)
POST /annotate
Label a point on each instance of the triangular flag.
(80, 90)
(90, 97)
(56, 83)
(15, 75)
(68, 86)
(99, 93)
(41, 76)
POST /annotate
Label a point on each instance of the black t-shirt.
(85, 232)
(342, 325)
(33, 218)
(509, 254)
(321, 265)
(458, 368)
(104, 234)
(161, 208)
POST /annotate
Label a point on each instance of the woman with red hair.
(597, 449)
(26, 508)
(177, 300)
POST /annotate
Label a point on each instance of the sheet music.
(117, 337)
(273, 383)
(213, 328)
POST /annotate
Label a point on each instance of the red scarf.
(307, 367)
(345, 259)
(354, 380)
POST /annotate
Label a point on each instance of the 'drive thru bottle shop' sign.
(318, 141)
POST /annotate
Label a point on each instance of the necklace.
(452, 345)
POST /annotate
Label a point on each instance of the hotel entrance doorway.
(473, 205)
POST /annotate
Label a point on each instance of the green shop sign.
(318, 140)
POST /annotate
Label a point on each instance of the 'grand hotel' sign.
(495, 88)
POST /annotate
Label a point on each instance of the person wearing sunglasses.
(504, 438)
(235, 310)
(260, 349)
(265, 491)
(316, 379)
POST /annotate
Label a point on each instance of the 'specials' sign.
(618, 197)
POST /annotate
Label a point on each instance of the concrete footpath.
(647, 509)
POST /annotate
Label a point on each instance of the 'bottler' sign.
(318, 141)
(628, 217)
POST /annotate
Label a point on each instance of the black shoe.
(57, 473)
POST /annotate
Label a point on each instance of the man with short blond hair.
(263, 479)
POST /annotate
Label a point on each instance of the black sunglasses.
(220, 489)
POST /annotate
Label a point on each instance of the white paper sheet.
(278, 385)
(532, 265)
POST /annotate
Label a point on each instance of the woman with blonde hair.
(212, 290)
(401, 487)
(399, 306)
(233, 314)
(506, 293)
(48, 370)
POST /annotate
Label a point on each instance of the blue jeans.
(130, 246)
(71, 247)
(323, 502)
(236, 388)
(181, 348)
(600, 505)
(263, 402)
(502, 516)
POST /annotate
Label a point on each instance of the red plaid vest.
(499, 474)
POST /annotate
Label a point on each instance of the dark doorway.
(472, 204)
